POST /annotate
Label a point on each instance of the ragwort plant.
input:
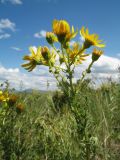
(68, 56)
(61, 63)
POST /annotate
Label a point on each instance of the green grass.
(49, 129)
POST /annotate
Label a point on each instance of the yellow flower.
(71, 34)
(76, 54)
(51, 38)
(80, 58)
(4, 96)
(45, 53)
(96, 54)
(1, 92)
(90, 39)
(41, 57)
(49, 57)
(34, 59)
(62, 29)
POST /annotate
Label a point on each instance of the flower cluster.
(10, 100)
(4, 97)
(69, 55)
(42, 56)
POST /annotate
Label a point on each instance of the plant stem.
(84, 74)
(70, 76)
(86, 71)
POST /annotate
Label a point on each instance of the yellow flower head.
(49, 56)
(62, 29)
(1, 96)
(34, 59)
(90, 39)
(45, 53)
(51, 38)
(1, 92)
(41, 57)
(4, 97)
(77, 54)
(96, 54)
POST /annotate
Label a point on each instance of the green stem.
(83, 75)
(55, 49)
(64, 56)
(70, 76)
(86, 71)
(58, 67)
(60, 83)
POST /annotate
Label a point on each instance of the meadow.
(48, 128)
(75, 122)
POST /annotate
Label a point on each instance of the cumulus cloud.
(34, 80)
(40, 34)
(102, 69)
(15, 2)
(106, 67)
(5, 36)
(7, 24)
(107, 64)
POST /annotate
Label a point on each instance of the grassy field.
(48, 129)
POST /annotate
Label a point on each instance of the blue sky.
(21, 20)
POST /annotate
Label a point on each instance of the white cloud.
(104, 68)
(40, 34)
(34, 80)
(15, 2)
(5, 36)
(7, 24)
(16, 48)
(107, 64)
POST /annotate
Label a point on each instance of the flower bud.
(45, 53)
(51, 38)
(61, 29)
(96, 54)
